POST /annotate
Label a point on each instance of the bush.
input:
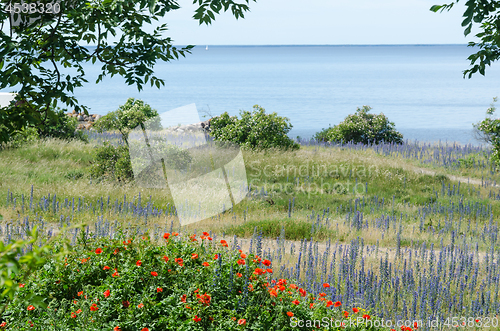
(61, 126)
(362, 127)
(25, 135)
(255, 130)
(58, 125)
(488, 130)
(128, 117)
(175, 157)
(112, 163)
(185, 283)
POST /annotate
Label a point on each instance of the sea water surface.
(420, 88)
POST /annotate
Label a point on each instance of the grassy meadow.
(409, 233)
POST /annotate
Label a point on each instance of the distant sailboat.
(206, 48)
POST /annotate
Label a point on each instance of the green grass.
(316, 179)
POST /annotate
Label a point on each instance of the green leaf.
(467, 31)
(435, 8)
(467, 21)
(37, 301)
(152, 5)
(211, 14)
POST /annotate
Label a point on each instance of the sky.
(321, 22)
(333, 22)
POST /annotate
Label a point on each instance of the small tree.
(128, 116)
(255, 129)
(362, 127)
(488, 130)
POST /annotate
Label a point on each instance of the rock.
(97, 117)
(80, 127)
(205, 125)
(88, 126)
(74, 112)
(80, 118)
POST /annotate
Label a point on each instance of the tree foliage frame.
(33, 57)
(485, 13)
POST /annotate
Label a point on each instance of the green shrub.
(255, 130)
(362, 127)
(112, 163)
(174, 156)
(128, 117)
(61, 126)
(488, 130)
(185, 283)
(57, 125)
(25, 135)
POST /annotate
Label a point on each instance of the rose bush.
(187, 283)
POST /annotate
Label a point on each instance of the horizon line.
(304, 45)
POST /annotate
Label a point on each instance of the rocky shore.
(205, 126)
(85, 122)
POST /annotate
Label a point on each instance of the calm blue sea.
(419, 87)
